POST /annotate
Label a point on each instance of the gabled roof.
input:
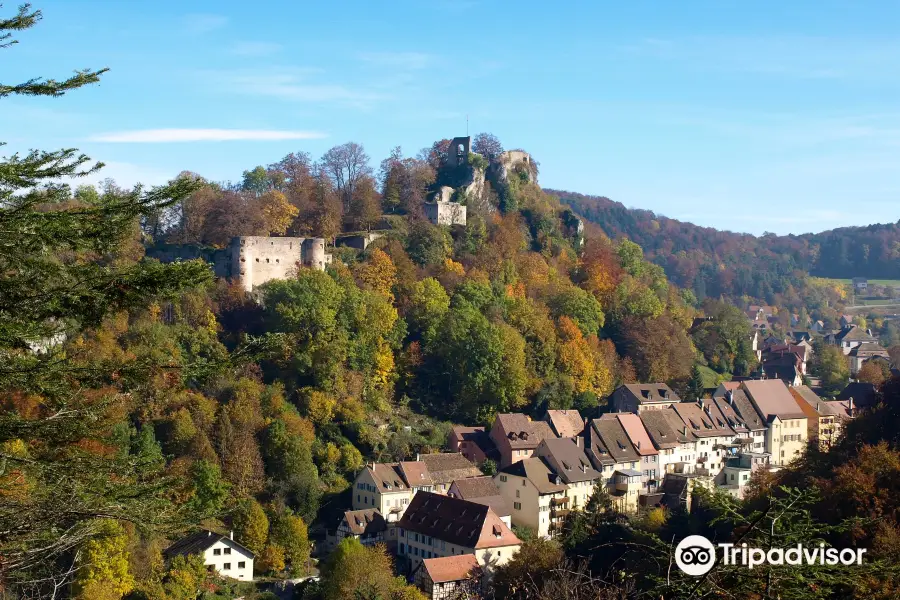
(806, 399)
(744, 409)
(566, 423)
(482, 490)
(721, 408)
(367, 521)
(646, 393)
(452, 568)
(697, 421)
(538, 473)
(864, 394)
(869, 349)
(388, 477)
(567, 460)
(478, 436)
(839, 408)
(522, 432)
(200, 542)
(637, 434)
(853, 333)
(415, 473)
(771, 398)
(657, 426)
(718, 418)
(615, 440)
(456, 521)
(447, 467)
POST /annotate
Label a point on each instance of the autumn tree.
(487, 145)
(104, 572)
(251, 525)
(346, 165)
(356, 571)
(874, 371)
(833, 367)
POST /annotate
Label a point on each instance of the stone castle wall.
(252, 260)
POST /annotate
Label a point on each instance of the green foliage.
(581, 307)
(290, 533)
(428, 244)
(477, 161)
(355, 571)
(210, 491)
(830, 363)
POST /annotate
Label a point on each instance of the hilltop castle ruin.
(253, 260)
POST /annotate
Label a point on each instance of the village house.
(483, 490)
(220, 553)
(712, 437)
(537, 495)
(787, 430)
(651, 474)
(738, 412)
(860, 284)
(474, 443)
(569, 462)
(435, 526)
(850, 337)
(826, 420)
(638, 397)
(610, 451)
(517, 436)
(445, 468)
(382, 486)
(367, 526)
(450, 577)
(565, 423)
(665, 438)
(864, 352)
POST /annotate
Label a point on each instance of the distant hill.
(714, 262)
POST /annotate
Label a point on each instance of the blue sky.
(750, 116)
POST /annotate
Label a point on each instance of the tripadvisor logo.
(696, 555)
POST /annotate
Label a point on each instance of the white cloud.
(152, 136)
(294, 85)
(256, 48)
(204, 23)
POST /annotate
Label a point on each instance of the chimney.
(231, 535)
(417, 457)
(208, 533)
(850, 403)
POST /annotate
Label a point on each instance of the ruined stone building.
(253, 260)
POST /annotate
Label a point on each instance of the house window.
(242, 565)
(226, 566)
(227, 551)
(517, 505)
(217, 552)
(402, 548)
(518, 494)
(503, 478)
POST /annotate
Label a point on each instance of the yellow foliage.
(454, 268)
(384, 365)
(379, 273)
(105, 572)
(271, 560)
(320, 407)
(278, 212)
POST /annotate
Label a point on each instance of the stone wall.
(252, 260)
(446, 213)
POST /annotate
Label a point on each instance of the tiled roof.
(697, 421)
(614, 439)
(853, 333)
(744, 408)
(809, 406)
(522, 432)
(452, 568)
(568, 460)
(482, 490)
(567, 423)
(478, 436)
(637, 434)
(456, 521)
(772, 398)
(415, 473)
(199, 542)
(388, 477)
(366, 521)
(651, 392)
(538, 473)
(869, 349)
(729, 414)
(448, 467)
(718, 418)
(864, 394)
(658, 428)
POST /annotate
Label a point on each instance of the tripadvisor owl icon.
(695, 555)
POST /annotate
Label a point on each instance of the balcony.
(630, 485)
(559, 513)
(559, 501)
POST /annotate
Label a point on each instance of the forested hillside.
(714, 262)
